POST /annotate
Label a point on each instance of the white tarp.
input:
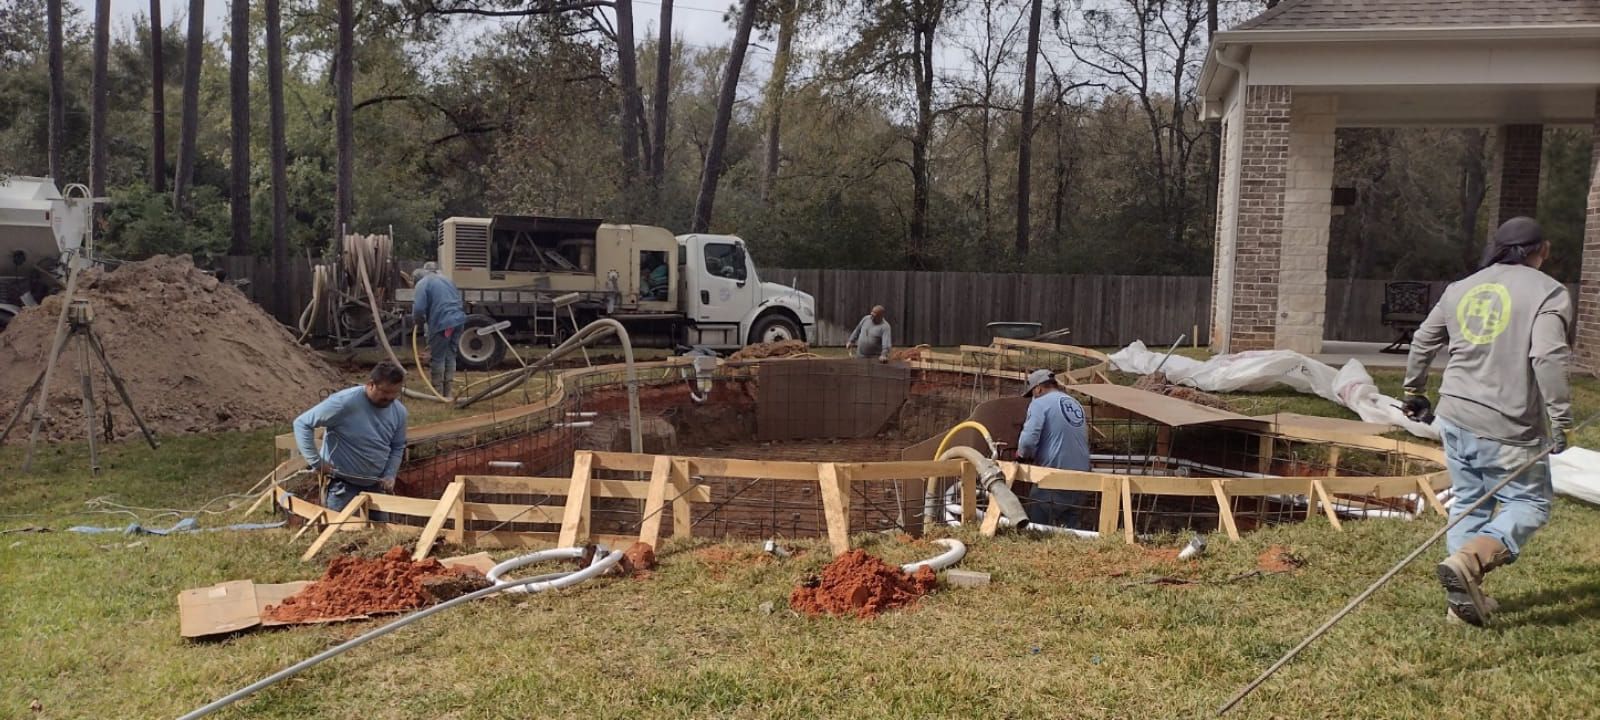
(1576, 472)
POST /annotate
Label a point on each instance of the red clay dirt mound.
(1278, 559)
(782, 348)
(365, 586)
(859, 584)
(196, 354)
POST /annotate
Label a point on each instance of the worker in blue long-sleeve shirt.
(1055, 435)
(438, 303)
(364, 439)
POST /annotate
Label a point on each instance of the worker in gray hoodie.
(871, 337)
(1503, 399)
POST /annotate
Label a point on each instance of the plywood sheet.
(1165, 410)
(1289, 421)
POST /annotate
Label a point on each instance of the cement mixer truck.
(539, 279)
(38, 225)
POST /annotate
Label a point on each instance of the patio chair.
(1405, 306)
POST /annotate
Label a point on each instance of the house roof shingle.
(1365, 14)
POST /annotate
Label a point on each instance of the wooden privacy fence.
(947, 309)
(952, 308)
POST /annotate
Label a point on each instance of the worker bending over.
(871, 337)
(1503, 397)
(1054, 435)
(364, 439)
(438, 303)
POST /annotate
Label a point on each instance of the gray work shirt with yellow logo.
(1506, 330)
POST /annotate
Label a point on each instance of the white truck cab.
(727, 304)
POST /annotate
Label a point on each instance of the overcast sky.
(697, 22)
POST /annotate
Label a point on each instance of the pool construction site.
(826, 448)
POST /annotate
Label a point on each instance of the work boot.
(1490, 606)
(1462, 572)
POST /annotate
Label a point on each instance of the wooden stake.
(1110, 499)
(1432, 497)
(344, 516)
(458, 510)
(1327, 504)
(1225, 510)
(430, 532)
(575, 521)
(836, 504)
(683, 492)
(969, 495)
(1127, 511)
(656, 502)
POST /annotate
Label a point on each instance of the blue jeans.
(339, 494)
(1476, 465)
(442, 359)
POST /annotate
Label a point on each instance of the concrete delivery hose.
(535, 584)
(591, 332)
(993, 481)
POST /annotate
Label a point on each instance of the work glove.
(1558, 442)
(1418, 408)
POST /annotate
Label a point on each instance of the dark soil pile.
(196, 355)
(862, 585)
(1158, 383)
(365, 586)
(782, 348)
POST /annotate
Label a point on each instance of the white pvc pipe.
(604, 561)
(955, 550)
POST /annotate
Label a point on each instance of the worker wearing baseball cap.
(1055, 435)
(1504, 398)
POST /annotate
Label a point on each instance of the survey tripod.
(79, 324)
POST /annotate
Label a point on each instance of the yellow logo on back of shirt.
(1484, 312)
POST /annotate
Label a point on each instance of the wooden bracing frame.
(671, 479)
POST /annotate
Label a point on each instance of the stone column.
(1588, 318)
(1263, 175)
(1307, 212)
(1514, 178)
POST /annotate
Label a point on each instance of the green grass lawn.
(90, 626)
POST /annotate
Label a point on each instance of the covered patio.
(1284, 81)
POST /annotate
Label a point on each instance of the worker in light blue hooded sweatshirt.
(438, 303)
(1054, 435)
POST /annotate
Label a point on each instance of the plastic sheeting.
(1576, 472)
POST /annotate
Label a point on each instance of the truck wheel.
(774, 328)
(479, 352)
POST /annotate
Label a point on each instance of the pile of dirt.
(859, 584)
(782, 348)
(1278, 559)
(366, 586)
(638, 560)
(909, 354)
(195, 353)
(1158, 383)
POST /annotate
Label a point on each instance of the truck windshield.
(725, 260)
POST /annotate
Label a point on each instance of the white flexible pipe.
(604, 561)
(955, 550)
